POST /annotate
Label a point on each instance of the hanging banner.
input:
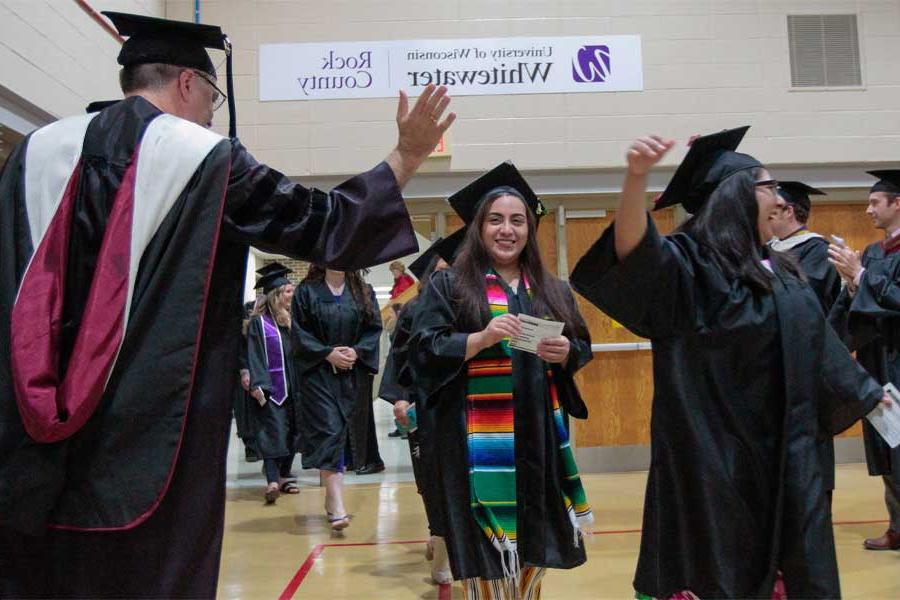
(467, 67)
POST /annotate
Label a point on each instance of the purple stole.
(275, 360)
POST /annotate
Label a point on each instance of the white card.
(887, 420)
(533, 331)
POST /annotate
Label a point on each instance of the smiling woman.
(748, 379)
(506, 476)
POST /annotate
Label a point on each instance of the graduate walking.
(748, 377)
(273, 381)
(512, 497)
(336, 336)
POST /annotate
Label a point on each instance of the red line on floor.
(860, 522)
(444, 589)
(300, 575)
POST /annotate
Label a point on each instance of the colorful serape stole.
(491, 444)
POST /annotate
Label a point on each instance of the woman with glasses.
(747, 378)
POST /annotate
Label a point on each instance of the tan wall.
(54, 56)
(707, 65)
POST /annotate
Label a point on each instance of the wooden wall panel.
(580, 236)
(617, 388)
(848, 221)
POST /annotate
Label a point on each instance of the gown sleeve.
(580, 354)
(822, 276)
(306, 347)
(856, 317)
(391, 388)
(360, 223)
(437, 349)
(650, 292)
(848, 391)
(370, 337)
(256, 357)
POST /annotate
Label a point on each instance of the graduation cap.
(797, 192)
(272, 276)
(98, 105)
(888, 181)
(505, 175)
(179, 43)
(710, 160)
(444, 248)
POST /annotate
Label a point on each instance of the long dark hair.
(354, 280)
(726, 227)
(474, 260)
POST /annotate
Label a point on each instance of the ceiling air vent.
(824, 51)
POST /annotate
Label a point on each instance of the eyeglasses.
(769, 184)
(219, 96)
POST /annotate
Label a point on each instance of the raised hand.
(419, 129)
(646, 152)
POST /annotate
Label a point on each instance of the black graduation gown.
(334, 408)
(397, 383)
(869, 323)
(276, 426)
(149, 467)
(437, 351)
(823, 278)
(243, 409)
(744, 386)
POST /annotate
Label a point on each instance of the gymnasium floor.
(288, 551)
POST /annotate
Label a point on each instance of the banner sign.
(467, 67)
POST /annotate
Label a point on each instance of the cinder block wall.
(708, 64)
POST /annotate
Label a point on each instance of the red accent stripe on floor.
(444, 590)
(298, 578)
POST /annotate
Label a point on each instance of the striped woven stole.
(491, 444)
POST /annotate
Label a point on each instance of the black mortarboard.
(797, 192)
(179, 43)
(98, 105)
(710, 160)
(420, 265)
(444, 248)
(505, 175)
(888, 181)
(272, 276)
(449, 246)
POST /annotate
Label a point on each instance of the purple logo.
(592, 65)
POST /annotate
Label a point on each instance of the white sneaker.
(440, 566)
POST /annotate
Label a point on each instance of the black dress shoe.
(250, 455)
(395, 433)
(370, 468)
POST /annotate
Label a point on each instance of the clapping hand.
(846, 260)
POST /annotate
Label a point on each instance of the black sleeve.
(369, 342)
(580, 354)
(651, 292)
(361, 223)
(849, 392)
(395, 378)
(437, 349)
(306, 347)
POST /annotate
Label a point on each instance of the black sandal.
(289, 487)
